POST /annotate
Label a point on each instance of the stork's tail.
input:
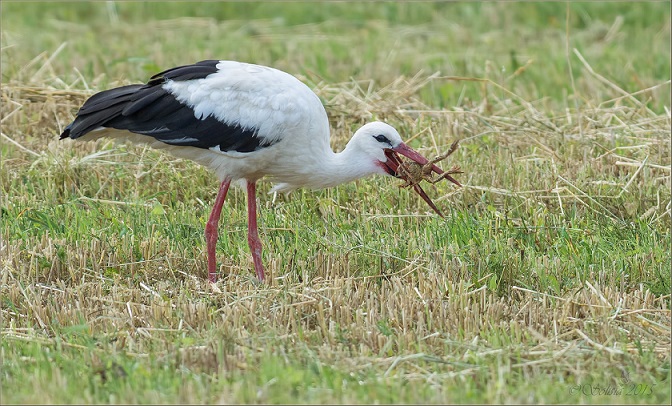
(100, 109)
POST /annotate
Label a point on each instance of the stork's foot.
(212, 277)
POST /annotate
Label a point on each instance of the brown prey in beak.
(401, 169)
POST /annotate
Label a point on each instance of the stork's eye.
(382, 138)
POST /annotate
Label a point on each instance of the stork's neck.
(319, 167)
(346, 166)
(323, 168)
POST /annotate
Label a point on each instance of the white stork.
(244, 122)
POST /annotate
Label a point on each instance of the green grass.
(547, 282)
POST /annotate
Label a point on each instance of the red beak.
(393, 163)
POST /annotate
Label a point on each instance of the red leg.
(252, 229)
(211, 233)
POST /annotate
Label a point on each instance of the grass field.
(547, 282)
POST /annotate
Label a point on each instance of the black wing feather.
(103, 100)
(151, 110)
(144, 98)
(199, 70)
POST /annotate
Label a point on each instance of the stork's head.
(383, 142)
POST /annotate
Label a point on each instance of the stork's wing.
(220, 105)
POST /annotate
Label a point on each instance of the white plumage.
(244, 122)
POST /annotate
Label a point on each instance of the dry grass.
(344, 315)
